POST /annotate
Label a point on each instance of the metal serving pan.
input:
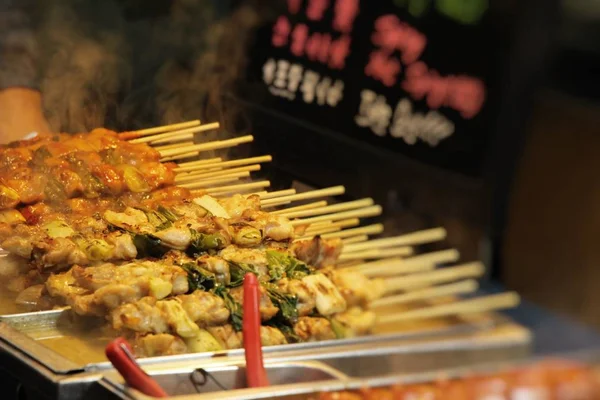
(58, 377)
(65, 344)
(182, 385)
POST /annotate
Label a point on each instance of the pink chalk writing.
(467, 95)
(462, 93)
(383, 67)
(316, 9)
(345, 13)
(339, 51)
(294, 6)
(299, 38)
(391, 34)
(281, 32)
(317, 47)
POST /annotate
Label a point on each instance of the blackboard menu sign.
(415, 77)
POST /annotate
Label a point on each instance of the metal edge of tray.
(60, 364)
(37, 351)
(114, 382)
(342, 352)
(282, 391)
(324, 348)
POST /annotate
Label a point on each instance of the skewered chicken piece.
(307, 329)
(318, 252)
(158, 345)
(90, 165)
(99, 140)
(72, 211)
(96, 290)
(180, 314)
(311, 329)
(191, 226)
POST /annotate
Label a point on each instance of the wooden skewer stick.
(319, 229)
(326, 233)
(331, 191)
(170, 136)
(365, 212)
(199, 162)
(462, 287)
(225, 164)
(175, 140)
(214, 174)
(220, 190)
(172, 146)
(178, 157)
(397, 266)
(308, 206)
(418, 281)
(318, 226)
(350, 205)
(212, 182)
(159, 129)
(218, 144)
(376, 253)
(482, 304)
(277, 193)
(374, 229)
(411, 239)
(355, 239)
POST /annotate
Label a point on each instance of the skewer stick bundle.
(410, 239)
(184, 156)
(175, 135)
(222, 190)
(374, 229)
(351, 205)
(313, 194)
(192, 169)
(309, 206)
(478, 305)
(452, 289)
(159, 129)
(224, 172)
(211, 182)
(199, 162)
(398, 266)
(327, 227)
(277, 193)
(365, 212)
(418, 281)
(376, 253)
(355, 239)
(172, 146)
(182, 151)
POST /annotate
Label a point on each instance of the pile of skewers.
(110, 226)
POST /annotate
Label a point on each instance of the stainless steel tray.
(41, 368)
(178, 382)
(65, 344)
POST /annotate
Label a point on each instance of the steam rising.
(101, 70)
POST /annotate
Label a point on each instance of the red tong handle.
(120, 354)
(256, 375)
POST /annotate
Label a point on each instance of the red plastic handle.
(255, 369)
(120, 354)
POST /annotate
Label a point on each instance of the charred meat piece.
(318, 252)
